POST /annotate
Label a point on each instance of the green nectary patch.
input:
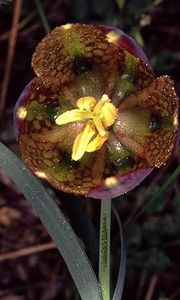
(60, 171)
(73, 44)
(47, 111)
(125, 165)
(130, 65)
(157, 123)
(124, 85)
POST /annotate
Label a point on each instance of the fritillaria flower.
(96, 120)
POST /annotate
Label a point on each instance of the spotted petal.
(75, 49)
(147, 122)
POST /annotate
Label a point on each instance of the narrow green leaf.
(55, 222)
(104, 248)
(122, 269)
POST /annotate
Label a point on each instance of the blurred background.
(30, 266)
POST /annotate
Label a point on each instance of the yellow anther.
(99, 125)
(112, 37)
(97, 142)
(72, 116)
(87, 103)
(21, 112)
(109, 114)
(82, 140)
(99, 105)
(99, 117)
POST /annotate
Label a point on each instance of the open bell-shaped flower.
(95, 121)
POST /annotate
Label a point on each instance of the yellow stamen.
(82, 140)
(72, 116)
(99, 125)
(99, 117)
(109, 114)
(99, 105)
(87, 103)
(97, 142)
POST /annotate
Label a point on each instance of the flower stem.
(104, 248)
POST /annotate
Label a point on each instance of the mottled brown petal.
(50, 58)
(133, 76)
(46, 147)
(144, 75)
(159, 98)
(154, 141)
(78, 177)
(159, 146)
(70, 50)
(155, 147)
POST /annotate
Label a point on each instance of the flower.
(95, 121)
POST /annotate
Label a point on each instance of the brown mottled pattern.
(87, 174)
(159, 97)
(52, 59)
(44, 90)
(42, 144)
(159, 146)
(121, 61)
(104, 55)
(38, 156)
(143, 75)
(76, 180)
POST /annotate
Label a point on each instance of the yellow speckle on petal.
(175, 121)
(21, 112)
(112, 37)
(111, 181)
(66, 26)
(40, 174)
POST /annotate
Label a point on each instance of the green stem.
(104, 248)
(42, 16)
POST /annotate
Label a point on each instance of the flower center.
(99, 117)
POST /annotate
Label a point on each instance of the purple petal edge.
(126, 183)
(22, 101)
(128, 43)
